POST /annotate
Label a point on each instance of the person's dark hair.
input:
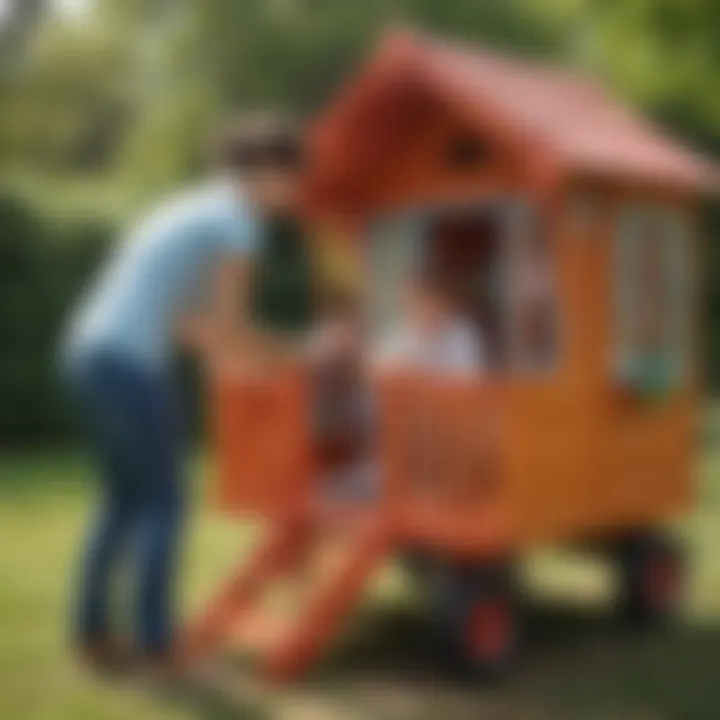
(259, 140)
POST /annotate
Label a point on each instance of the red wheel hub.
(662, 581)
(491, 628)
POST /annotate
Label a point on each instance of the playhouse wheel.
(479, 623)
(651, 581)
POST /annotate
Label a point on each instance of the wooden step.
(329, 603)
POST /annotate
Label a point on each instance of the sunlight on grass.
(44, 501)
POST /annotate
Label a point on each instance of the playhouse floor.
(577, 666)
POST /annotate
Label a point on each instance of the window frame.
(526, 220)
(680, 323)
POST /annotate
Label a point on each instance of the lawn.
(578, 666)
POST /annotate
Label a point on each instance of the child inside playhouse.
(432, 337)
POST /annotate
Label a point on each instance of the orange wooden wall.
(580, 455)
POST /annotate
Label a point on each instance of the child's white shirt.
(454, 349)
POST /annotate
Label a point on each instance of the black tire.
(651, 581)
(477, 621)
(421, 566)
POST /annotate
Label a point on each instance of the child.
(342, 417)
(433, 335)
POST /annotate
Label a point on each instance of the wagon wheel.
(478, 620)
(652, 580)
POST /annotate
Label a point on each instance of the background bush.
(44, 263)
(710, 280)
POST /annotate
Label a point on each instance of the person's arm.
(231, 330)
(233, 342)
(217, 329)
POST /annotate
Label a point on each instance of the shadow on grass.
(211, 699)
(578, 665)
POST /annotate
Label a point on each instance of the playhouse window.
(652, 296)
(532, 297)
(498, 264)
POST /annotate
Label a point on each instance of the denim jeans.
(131, 420)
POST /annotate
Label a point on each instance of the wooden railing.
(439, 451)
(442, 453)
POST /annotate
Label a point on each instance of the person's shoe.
(106, 656)
(161, 667)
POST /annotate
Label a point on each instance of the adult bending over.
(182, 271)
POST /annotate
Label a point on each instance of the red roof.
(563, 116)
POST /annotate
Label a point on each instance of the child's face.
(425, 309)
(343, 339)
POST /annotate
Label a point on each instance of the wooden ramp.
(290, 598)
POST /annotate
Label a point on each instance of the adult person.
(182, 272)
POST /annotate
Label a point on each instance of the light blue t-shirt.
(162, 269)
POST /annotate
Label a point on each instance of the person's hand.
(194, 334)
(231, 366)
(258, 360)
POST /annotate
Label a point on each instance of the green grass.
(578, 665)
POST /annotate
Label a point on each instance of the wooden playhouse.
(568, 227)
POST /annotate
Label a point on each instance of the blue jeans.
(131, 419)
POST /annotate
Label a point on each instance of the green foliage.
(710, 286)
(42, 266)
(65, 104)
